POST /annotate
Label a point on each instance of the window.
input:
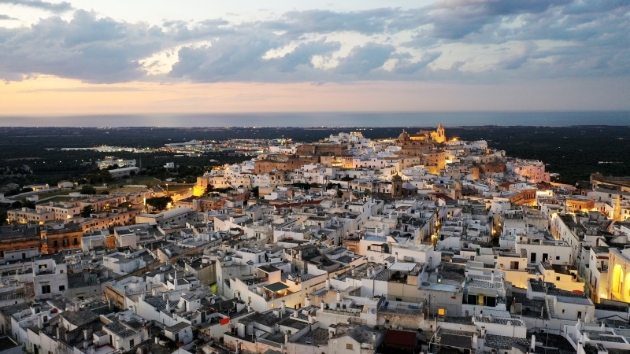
(557, 258)
(349, 346)
(441, 311)
(131, 343)
(580, 314)
(62, 288)
(55, 244)
(557, 278)
(45, 289)
(562, 310)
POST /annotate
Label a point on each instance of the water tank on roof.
(228, 258)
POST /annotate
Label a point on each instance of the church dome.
(404, 136)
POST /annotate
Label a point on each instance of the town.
(420, 243)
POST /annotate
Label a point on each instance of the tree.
(339, 193)
(105, 192)
(159, 203)
(125, 205)
(87, 211)
(132, 173)
(87, 189)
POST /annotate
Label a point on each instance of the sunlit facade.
(619, 281)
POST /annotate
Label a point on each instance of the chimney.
(328, 284)
(284, 308)
(474, 340)
(58, 333)
(338, 295)
(321, 305)
(307, 301)
(157, 340)
(286, 337)
(533, 345)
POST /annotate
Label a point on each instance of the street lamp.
(167, 189)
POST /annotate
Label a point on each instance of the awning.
(275, 287)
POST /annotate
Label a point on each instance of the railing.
(44, 272)
(343, 312)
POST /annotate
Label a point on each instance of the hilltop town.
(417, 243)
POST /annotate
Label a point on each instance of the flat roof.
(402, 266)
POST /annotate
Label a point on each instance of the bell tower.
(439, 135)
(397, 183)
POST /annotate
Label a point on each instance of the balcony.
(39, 272)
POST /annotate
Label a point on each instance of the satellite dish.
(373, 311)
(381, 321)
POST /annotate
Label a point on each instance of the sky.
(197, 56)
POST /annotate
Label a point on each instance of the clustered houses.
(349, 245)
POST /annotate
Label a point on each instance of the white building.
(110, 161)
(49, 278)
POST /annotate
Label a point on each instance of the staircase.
(552, 312)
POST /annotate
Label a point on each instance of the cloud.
(454, 19)
(406, 66)
(303, 54)
(6, 18)
(471, 41)
(42, 5)
(298, 23)
(362, 60)
(518, 56)
(85, 48)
